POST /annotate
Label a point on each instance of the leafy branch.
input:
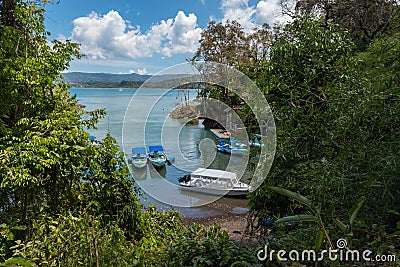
(316, 217)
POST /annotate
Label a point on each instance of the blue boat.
(158, 157)
(233, 147)
(139, 157)
(93, 141)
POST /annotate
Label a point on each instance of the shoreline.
(234, 224)
(233, 220)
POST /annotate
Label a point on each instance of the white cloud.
(110, 36)
(234, 3)
(100, 36)
(240, 11)
(265, 11)
(270, 12)
(142, 71)
(183, 35)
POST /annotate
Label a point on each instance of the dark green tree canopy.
(336, 112)
(49, 166)
(363, 19)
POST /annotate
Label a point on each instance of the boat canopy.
(212, 173)
(155, 148)
(139, 150)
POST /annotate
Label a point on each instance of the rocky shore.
(189, 112)
(183, 112)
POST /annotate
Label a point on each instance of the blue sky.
(146, 36)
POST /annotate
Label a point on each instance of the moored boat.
(220, 133)
(233, 147)
(214, 182)
(94, 141)
(158, 157)
(139, 157)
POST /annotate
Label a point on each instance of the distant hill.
(84, 79)
(79, 77)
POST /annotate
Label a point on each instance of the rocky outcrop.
(192, 111)
(183, 112)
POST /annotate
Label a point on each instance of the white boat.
(157, 156)
(139, 157)
(214, 182)
(233, 147)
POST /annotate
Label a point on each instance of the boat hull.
(158, 163)
(238, 152)
(139, 157)
(232, 151)
(214, 182)
(222, 149)
(237, 193)
(139, 164)
(157, 156)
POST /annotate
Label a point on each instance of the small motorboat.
(139, 157)
(233, 147)
(94, 141)
(158, 157)
(214, 182)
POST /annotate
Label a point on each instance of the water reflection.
(157, 172)
(139, 173)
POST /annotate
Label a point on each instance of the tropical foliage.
(333, 85)
(64, 199)
(335, 97)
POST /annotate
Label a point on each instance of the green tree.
(223, 43)
(337, 121)
(65, 200)
(365, 20)
(302, 82)
(228, 44)
(49, 166)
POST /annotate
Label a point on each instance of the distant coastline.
(108, 80)
(98, 84)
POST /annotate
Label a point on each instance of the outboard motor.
(182, 179)
(185, 178)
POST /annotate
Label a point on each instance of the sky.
(146, 36)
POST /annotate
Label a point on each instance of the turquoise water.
(140, 118)
(115, 103)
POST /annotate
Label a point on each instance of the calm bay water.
(147, 123)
